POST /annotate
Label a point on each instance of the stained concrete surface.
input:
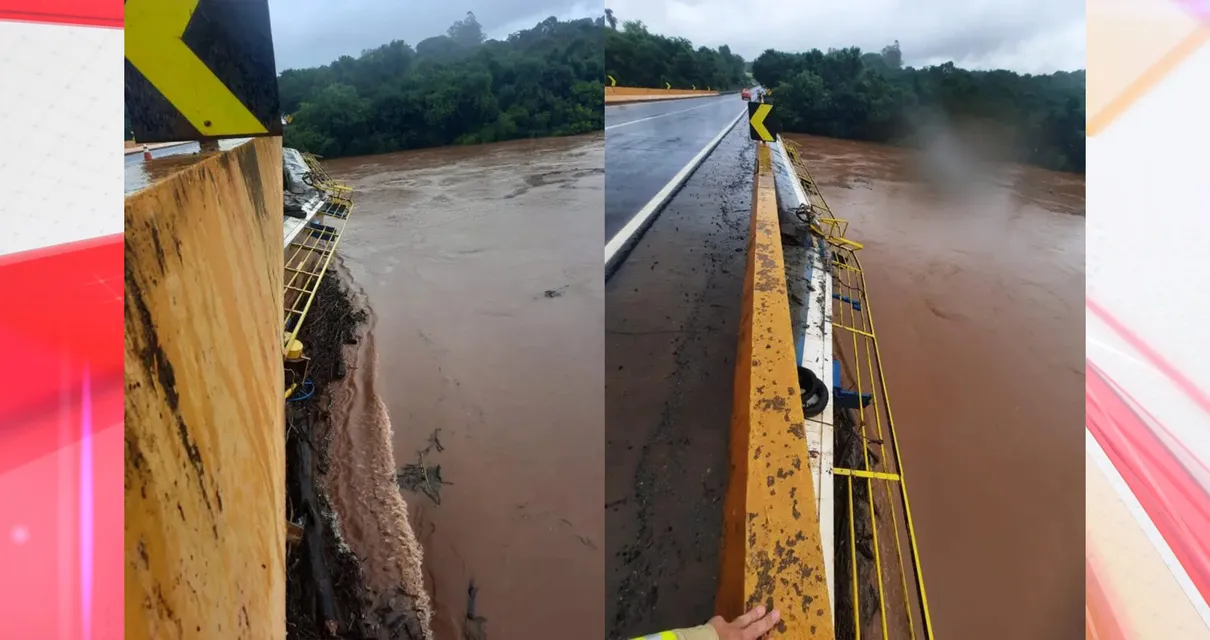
(672, 313)
(205, 532)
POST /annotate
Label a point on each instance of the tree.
(892, 56)
(847, 94)
(456, 88)
(611, 19)
(466, 32)
(637, 57)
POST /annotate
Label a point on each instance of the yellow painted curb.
(772, 553)
(634, 94)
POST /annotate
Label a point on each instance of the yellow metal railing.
(879, 464)
(322, 180)
(310, 254)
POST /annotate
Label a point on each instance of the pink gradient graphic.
(1199, 9)
(61, 322)
(1146, 383)
(87, 526)
(61, 490)
(1173, 499)
(89, 13)
(1153, 357)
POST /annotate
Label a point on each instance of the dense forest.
(871, 96)
(456, 88)
(637, 58)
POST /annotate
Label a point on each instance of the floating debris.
(420, 477)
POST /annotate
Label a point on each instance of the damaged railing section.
(880, 582)
(309, 251)
(339, 197)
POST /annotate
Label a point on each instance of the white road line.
(670, 113)
(640, 219)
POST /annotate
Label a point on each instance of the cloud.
(308, 33)
(1027, 36)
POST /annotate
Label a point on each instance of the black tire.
(814, 393)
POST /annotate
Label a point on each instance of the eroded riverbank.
(481, 269)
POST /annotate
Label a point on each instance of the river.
(976, 273)
(481, 268)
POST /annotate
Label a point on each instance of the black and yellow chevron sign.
(760, 127)
(200, 69)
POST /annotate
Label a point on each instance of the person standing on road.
(750, 626)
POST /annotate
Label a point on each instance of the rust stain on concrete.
(205, 452)
(772, 553)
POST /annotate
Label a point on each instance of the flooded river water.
(976, 276)
(481, 268)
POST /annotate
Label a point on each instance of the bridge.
(229, 237)
(749, 435)
(750, 441)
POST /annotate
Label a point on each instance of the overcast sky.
(1027, 36)
(308, 33)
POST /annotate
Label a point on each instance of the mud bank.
(481, 266)
(976, 275)
(364, 580)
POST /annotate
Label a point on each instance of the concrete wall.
(205, 449)
(772, 552)
(632, 94)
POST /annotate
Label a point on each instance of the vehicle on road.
(746, 94)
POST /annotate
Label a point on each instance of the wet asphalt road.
(672, 314)
(646, 144)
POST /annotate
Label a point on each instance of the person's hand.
(750, 626)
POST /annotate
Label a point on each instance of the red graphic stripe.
(61, 495)
(1182, 382)
(85, 13)
(1172, 498)
(63, 314)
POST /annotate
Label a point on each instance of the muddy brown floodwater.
(481, 268)
(976, 277)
